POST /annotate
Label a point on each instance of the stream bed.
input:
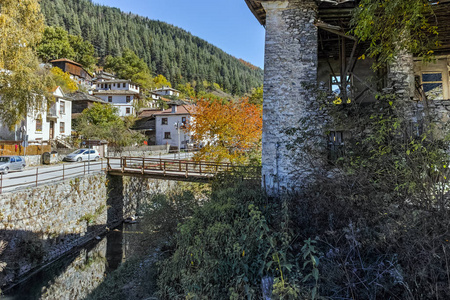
(78, 274)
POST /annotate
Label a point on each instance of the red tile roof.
(181, 110)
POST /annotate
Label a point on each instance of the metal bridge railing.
(42, 175)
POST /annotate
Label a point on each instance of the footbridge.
(178, 170)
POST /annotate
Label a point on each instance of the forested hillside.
(167, 49)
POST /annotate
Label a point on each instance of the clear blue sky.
(227, 24)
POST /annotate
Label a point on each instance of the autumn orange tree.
(228, 131)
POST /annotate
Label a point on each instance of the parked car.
(83, 155)
(11, 163)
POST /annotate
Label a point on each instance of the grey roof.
(80, 96)
(115, 92)
(166, 88)
(107, 81)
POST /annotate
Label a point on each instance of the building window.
(167, 136)
(62, 108)
(183, 120)
(109, 98)
(164, 121)
(336, 85)
(335, 145)
(128, 99)
(39, 125)
(62, 127)
(432, 85)
(128, 110)
(124, 84)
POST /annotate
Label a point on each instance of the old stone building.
(307, 44)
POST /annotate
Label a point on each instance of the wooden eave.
(330, 15)
(258, 10)
(330, 10)
(442, 20)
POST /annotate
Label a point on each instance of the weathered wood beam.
(334, 29)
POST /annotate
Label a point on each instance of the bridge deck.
(170, 169)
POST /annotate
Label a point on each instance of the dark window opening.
(432, 84)
(335, 87)
(38, 125)
(335, 145)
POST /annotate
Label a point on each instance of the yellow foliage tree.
(63, 80)
(228, 130)
(161, 81)
(23, 86)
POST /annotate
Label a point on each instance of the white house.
(170, 126)
(37, 127)
(167, 91)
(122, 94)
(153, 100)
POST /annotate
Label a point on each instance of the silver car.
(83, 155)
(11, 163)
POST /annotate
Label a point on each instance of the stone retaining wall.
(41, 224)
(33, 160)
(140, 151)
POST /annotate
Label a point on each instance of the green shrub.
(227, 246)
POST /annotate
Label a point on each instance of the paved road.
(33, 176)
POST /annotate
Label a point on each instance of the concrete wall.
(41, 224)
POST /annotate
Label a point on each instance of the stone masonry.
(291, 59)
(43, 223)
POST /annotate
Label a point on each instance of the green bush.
(227, 246)
(380, 211)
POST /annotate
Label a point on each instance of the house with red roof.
(170, 126)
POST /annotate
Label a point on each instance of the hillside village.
(340, 192)
(92, 74)
(53, 125)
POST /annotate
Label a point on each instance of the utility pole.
(177, 126)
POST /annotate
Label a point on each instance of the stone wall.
(43, 223)
(140, 151)
(72, 284)
(291, 60)
(33, 160)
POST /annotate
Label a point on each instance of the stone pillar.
(401, 83)
(290, 61)
(115, 200)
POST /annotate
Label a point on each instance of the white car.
(83, 155)
(11, 163)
